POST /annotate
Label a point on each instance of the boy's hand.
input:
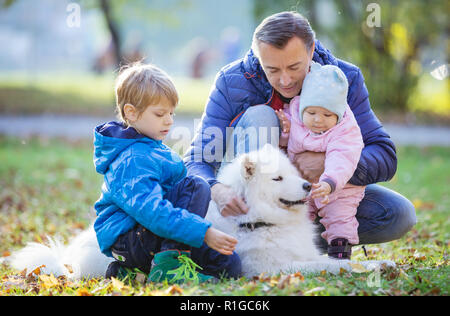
(321, 189)
(284, 121)
(219, 241)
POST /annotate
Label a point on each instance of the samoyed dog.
(276, 235)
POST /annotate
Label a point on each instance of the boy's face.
(318, 119)
(156, 121)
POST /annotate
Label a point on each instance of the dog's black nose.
(307, 186)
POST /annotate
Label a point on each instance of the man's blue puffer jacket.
(138, 172)
(243, 83)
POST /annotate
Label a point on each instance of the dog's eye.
(280, 178)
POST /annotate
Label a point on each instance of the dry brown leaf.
(284, 281)
(83, 292)
(69, 268)
(49, 281)
(358, 268)
(342, 271)
(23, 273)
(119, 285)
(37, 270)
(140, 277)
(321, 279)
(174, 289)
(299, 276)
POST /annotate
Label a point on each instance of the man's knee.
(384, 215)
(260, 116)
(258, 126)
(403, 213)
(405, 216)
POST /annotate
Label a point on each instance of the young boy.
(150, 214)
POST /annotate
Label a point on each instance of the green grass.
(49, 187)
(87, 94)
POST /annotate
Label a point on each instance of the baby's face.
(319, 119)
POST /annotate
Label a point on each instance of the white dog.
(275, 236)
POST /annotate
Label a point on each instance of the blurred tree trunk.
(113, 30)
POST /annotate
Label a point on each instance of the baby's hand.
(284, 121)
(321, 189)
(219, 241)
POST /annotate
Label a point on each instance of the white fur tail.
(81, 258)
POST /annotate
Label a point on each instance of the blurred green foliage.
(396, 56)
(84, 93)
(404, 59)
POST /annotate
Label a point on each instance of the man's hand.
(228, 202)
(219, 241)
(310, 165)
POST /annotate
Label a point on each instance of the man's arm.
(204, 156)
(378, 160)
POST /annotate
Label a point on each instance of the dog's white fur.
(263, 178)
(287, 246)
(81, 258)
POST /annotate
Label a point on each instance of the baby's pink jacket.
(342, 145)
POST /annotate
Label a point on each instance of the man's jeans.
(383, 215)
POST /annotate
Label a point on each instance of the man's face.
(287, 67)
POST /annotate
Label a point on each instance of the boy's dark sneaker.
(339, 248)
(176, 266)
(117, 270)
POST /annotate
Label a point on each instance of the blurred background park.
(62, 56)
(59, 58)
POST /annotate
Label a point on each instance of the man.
(244, 97)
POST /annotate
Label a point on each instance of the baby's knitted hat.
(325, 86)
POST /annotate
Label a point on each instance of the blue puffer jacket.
(243, 83)
(138, 172)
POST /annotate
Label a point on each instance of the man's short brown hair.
(279, 28)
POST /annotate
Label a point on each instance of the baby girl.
(320, 120)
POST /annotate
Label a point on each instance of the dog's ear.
(248, 168)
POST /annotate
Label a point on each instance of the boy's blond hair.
(142, 85)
